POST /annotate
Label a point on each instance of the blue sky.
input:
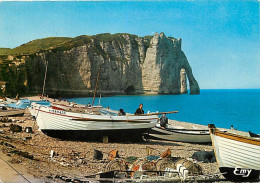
(221, 39)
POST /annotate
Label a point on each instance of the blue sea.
(240, 108)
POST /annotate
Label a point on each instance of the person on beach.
(139, 110)
(121, 112)
(72, 104)
(17, 97)
(163, 121)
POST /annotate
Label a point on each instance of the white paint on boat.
(54, 119)
(181, 135)
(232, 153)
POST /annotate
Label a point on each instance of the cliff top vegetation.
(66, 43)
(4, 51)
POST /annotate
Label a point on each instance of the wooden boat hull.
(180, 135)
(237, 156)
(11, 112)
(64, 124)
(32, 111)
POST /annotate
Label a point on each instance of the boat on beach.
(77, 107)
(24, 103)
(10, 100)
(60, 123)
(72, 108)
(8, 112)
(179, 135)
(238, 156)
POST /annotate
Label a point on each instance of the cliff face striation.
(163, 67)
(127, 63)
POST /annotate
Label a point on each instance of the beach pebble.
(204, 156)
(75, 158)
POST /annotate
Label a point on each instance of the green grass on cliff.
(40, 44)
(4, 51)
(119, 37)
(36, 46)
(73, 42)
(66, 43)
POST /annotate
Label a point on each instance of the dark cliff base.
(67, 94)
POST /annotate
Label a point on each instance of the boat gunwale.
(77, 107)
(249, 140)
(91, 119)
(175, 131)
(12, 112)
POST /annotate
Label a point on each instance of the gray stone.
(204, 156)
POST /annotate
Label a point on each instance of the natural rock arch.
(183, 81)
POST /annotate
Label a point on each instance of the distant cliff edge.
(128, 65)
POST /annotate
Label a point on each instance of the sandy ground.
(74, 158)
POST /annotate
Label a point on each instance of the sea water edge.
(222, 107)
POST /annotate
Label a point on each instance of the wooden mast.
(46, 68)
(96, 86)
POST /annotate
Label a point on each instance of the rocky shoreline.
(75, 159)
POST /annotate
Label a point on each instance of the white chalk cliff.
(128, 64)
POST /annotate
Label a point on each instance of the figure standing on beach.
(121, 112)
(17, 97)
(163, 121)
(140, 110)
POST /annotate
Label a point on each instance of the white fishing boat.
(238, 156)
(57, 122)
(77, 107)
(7, 112)
(180, 135)
(71, 108)
(10, 100)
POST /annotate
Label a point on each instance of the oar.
(156, 113)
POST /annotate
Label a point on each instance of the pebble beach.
(75, 158)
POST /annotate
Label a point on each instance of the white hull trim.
(55, 121)
(237, 156)
(60, 123)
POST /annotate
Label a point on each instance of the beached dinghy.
(24, 103)
(5, 112)
(180, 135)
(238, 156)
(60, 123)
(10, 100)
